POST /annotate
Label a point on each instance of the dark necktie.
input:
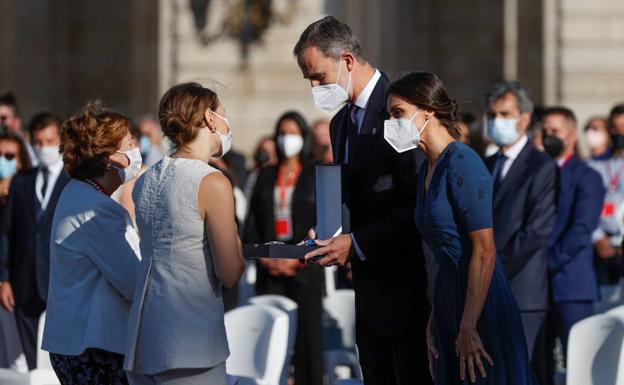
(352, 131)
(497, 171)
(44, 186)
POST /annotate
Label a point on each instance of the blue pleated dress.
(459, 201)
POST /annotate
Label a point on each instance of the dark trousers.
(306, 289)
(561, 318)
(392, 361)
(27, 318)
(532, 322)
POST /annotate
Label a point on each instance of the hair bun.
(454, 110)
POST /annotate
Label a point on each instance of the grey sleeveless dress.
(176, 320)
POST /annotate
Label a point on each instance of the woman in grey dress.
(190, 248)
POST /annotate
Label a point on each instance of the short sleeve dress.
(459, 201)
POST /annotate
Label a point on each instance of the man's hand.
(604, 249)
(334, 251)
(7, 299)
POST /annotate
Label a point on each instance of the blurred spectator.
(153, 143)
(265, 155)
(26, 232)
(283, 209)
(10, 121)
(236, 165)
(616, 128)
(321, 142)
(466, 119)
(9, 114)
(607, 237)
(597, 138)
(13, 159)
(525, 183)
(572, 272)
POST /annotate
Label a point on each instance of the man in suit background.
(25, 232)
(525, 183)
(382, 246)
(570, 260)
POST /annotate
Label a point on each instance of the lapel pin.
(374, 130)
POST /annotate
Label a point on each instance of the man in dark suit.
(525, 183)
(25, 232)
(570, 260)
(383, 245)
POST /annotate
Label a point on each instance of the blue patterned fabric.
(459, 201)
(93, 367)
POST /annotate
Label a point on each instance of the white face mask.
(134, 168)
(402, 134)
(226, 139)
(289, 145)
(329, 97)
(596, 138)
(503, 131)
(48, 155)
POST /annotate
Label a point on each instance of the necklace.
(96, 186)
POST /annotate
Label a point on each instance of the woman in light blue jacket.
(94, 251)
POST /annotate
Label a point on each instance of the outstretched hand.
(332, 252)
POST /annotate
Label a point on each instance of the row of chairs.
(262, 336)
(595, 345)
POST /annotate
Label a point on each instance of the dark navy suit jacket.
(391, 284)
(524, 216)
(571, 257)
(25, 235)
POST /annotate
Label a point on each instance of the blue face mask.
(503, 131)
(8, 168)
(145, 144)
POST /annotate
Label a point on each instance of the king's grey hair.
(332, 37)
(498, 90)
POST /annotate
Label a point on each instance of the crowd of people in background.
(558, 215)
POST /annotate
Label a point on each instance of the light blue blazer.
(94, 264)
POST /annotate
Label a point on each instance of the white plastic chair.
(44, 374)
(11, 377)
(595, 351)
(258, 339)
(610, 297)
(350, 381)
(247, 283)
(290, 307)
(340, 306)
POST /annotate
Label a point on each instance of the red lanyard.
(567, 159)
(613, 178)
(283, 185)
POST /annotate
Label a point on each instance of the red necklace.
(93, 183)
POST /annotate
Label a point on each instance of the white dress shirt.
(512, 153)
(362, 102)
(53, 173)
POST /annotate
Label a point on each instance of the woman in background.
(282, 209)
(13, 159)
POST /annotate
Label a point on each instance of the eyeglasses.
(8, 155)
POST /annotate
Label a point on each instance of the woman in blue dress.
(475, 334)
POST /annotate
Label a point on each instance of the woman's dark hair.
(23, 156)
(181, 111)
(426, 91)
(306, 151)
